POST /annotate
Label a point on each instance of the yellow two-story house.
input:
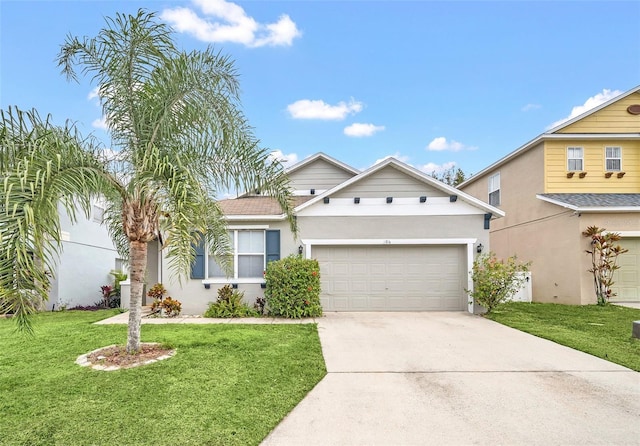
(582, 173)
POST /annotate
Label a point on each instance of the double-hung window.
(575, 159)
(494, 190)
(613, 159)
(251, 250)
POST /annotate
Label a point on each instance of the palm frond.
(44, 167)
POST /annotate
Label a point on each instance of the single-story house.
(389, 238)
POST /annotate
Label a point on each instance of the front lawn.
(228, 384)
(600, 331)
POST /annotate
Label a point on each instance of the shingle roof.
(261, 205)
(596, 200)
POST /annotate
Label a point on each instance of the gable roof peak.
(322, 156)
(411, 171)
(551, 133)
(592, 110)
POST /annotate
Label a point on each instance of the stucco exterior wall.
(87, 258)
(427, 227)
(535, 231)
(552, 245)
(195, 297)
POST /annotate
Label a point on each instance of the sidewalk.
(123, 318)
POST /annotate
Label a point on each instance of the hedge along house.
(390, 238)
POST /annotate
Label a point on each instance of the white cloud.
(590, 103)
(94, 94)
(285, 159)
(530, 107)
(359, 130)
(403, 158)
(233, 25)
(441, 144)
(430, 168)
(100, 124)
(318, 109)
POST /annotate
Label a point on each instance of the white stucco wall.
(87, 257)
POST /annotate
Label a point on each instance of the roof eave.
(589, 209)
(239, 217)
(416, 174)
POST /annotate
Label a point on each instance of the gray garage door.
(392, 278)
(627, 278)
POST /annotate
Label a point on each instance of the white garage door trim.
(469, 242)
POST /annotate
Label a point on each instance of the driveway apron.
(451, 378)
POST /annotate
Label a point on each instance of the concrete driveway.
(458, 379)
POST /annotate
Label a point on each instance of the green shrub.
(495, 281)
(293, 287)
(229, 304)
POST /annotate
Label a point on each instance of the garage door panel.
(627, 278)
(392, 278)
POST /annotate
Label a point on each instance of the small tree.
(604, 258)
(452, 176)
(495, 280)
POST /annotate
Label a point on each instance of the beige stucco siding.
(195, 297)
(551, 245)
(611, 119)
(319, 175)
(594, 166)
(388, 182)
(520, 181)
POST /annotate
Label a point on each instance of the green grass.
(228, 384)
(604, 332)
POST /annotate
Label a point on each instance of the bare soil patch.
(115, 357)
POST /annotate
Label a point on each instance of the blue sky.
(433, 83)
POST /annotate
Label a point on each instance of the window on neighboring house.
(97, 213)
(613, 159)
(252, 250)
(494, 190)
(575, 159)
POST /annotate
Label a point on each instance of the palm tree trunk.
(138, 259)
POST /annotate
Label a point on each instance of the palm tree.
(179, 138)
(42, 167)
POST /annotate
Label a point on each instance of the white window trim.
(581, 158)
(235, 279)
(495, 189)
(606, 158)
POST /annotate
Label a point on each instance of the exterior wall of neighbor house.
(613, 222)
(594, 166)
(552, 245)
(611, 119)
(192, 293)
(320, 175)
(87, 258)
(533, 230)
